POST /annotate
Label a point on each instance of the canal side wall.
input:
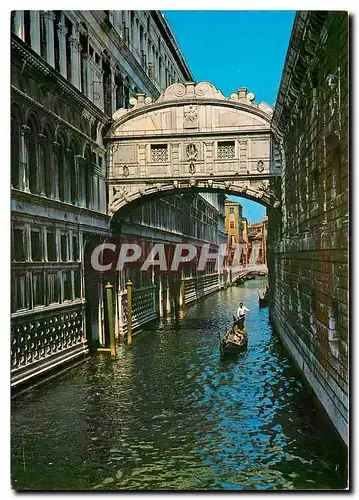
(308, 235)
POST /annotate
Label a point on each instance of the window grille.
(226, 150)
(51, 247)
(159, 153)
(36, 246)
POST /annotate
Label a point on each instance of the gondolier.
(241, 314)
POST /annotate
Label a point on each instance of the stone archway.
(191, 138)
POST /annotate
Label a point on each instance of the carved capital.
(24, 129)
(61, 28)
(49, 14)
(75, 43)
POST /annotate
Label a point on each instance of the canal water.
(170, 414)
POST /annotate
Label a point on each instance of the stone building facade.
(308, 268)
(70, 71)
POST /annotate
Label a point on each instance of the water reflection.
(170, 413)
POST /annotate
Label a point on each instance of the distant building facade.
(308, 266)
(70, 71)
(256, 239)
(234, 230)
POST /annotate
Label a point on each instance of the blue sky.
(234, 49)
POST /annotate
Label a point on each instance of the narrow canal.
(170, 414)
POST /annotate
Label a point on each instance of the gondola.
(263, 298)
(234, 342)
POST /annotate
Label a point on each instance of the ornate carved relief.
(191, 152)
(190, 116)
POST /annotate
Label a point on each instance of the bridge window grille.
(159, 153)
(226, 150)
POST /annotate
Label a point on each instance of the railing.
(144, 307)
(45, 334)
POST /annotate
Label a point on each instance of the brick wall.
(309, 235)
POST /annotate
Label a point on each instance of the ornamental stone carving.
(191, 152)
(190, 116)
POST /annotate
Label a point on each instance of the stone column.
(24, 160)
(40, 166)
(102, 195)
(168, 297)
(87, 75)
(113, 88)
(95, 192)
(55, 163)
(35, 30)
(67, 183)
(160, 299)
(75, 59)
(76, 179)
(62, 30)
(49, 18)
(89, 184)
(80, 167)
(19, 27)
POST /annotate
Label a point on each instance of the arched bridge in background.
(243, 272)
(192, 138)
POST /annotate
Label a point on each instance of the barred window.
(159, 153)
(51, 246)
(21, 292)
(36, 245)
(64, 247)
(53, 288)
(38, 289)
(67, 285)
(226, 150)
(18, 245)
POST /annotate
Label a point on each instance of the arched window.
(15, 147)
(32, 152)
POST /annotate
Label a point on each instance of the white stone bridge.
(191, 138)
(240, 272)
